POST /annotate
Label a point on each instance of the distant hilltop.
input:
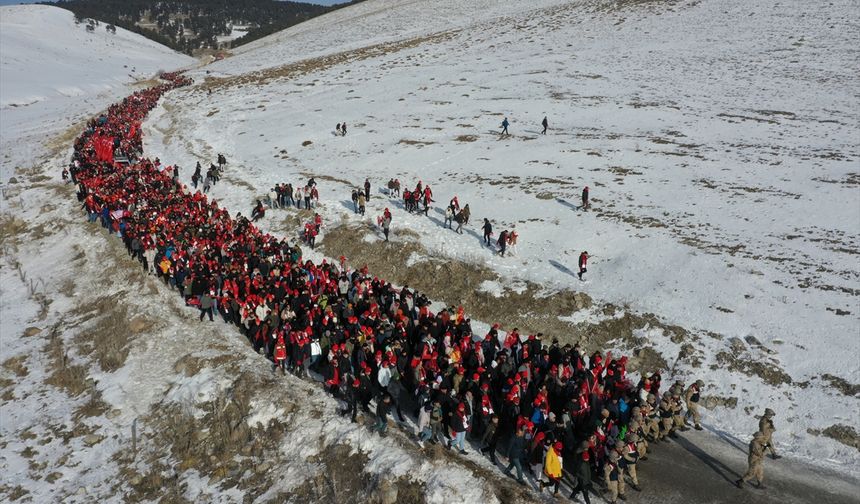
(197, 27)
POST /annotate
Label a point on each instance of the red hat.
(557, 446)
(356, 382)
(461, 407)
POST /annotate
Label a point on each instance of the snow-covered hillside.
(54, 70)
(719, 140)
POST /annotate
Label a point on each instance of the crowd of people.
(557, 411)
(287, 195)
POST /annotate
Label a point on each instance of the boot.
(739, 483)
(636, 487)
(698, 427)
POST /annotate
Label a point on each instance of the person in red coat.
(583, 263)
(280, 355)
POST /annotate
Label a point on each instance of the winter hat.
(558, 446)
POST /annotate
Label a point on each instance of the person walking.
(367, 189)
(545, 125)
(755, 460)
(488, 232)
(449, 216)
(613, 476)
(582, 473)
(765, 426)
(490, 438)
(502, 242)
(361, 203)
(552, 468)
(516, 455)
(585, 198)
(459, 426)
(583, 263)
(505, 125)
(383, 408)
(692, 397)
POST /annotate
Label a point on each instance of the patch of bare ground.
(308, 66)
(109, 339)
(327, 178)
(844, 434)
(219, 444)
(466, 138)
(15, 365)
(71, 378)
(418, 143)
(842, 385)
(531, 310)
(769, 372)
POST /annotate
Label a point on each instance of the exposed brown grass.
(308, 66)
(16, 366)
(71, 378)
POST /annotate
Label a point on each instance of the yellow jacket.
(552, 464)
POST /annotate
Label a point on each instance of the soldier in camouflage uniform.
(678, 407)
(692, 397)
(765, 426)
(666, 411)
(756, 461)
(651, 417)
(613, 476)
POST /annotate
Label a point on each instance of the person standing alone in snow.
(545, 125)
(583, 263)
(505, 125)
(585, 198)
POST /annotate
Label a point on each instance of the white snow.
(719, 140)
(697, 240)
(53, 73)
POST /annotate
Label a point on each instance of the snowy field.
(53, 73)
(719, 140)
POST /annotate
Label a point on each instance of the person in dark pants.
(505, 125)
(502, 242)
(352, 397)
(583, 263)
(545, 125)
(383, 408)
(488, 231)
(582, 472)
(490, 438)
(367, 189)
(516, 455)
(585, 198)
(206, 304)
